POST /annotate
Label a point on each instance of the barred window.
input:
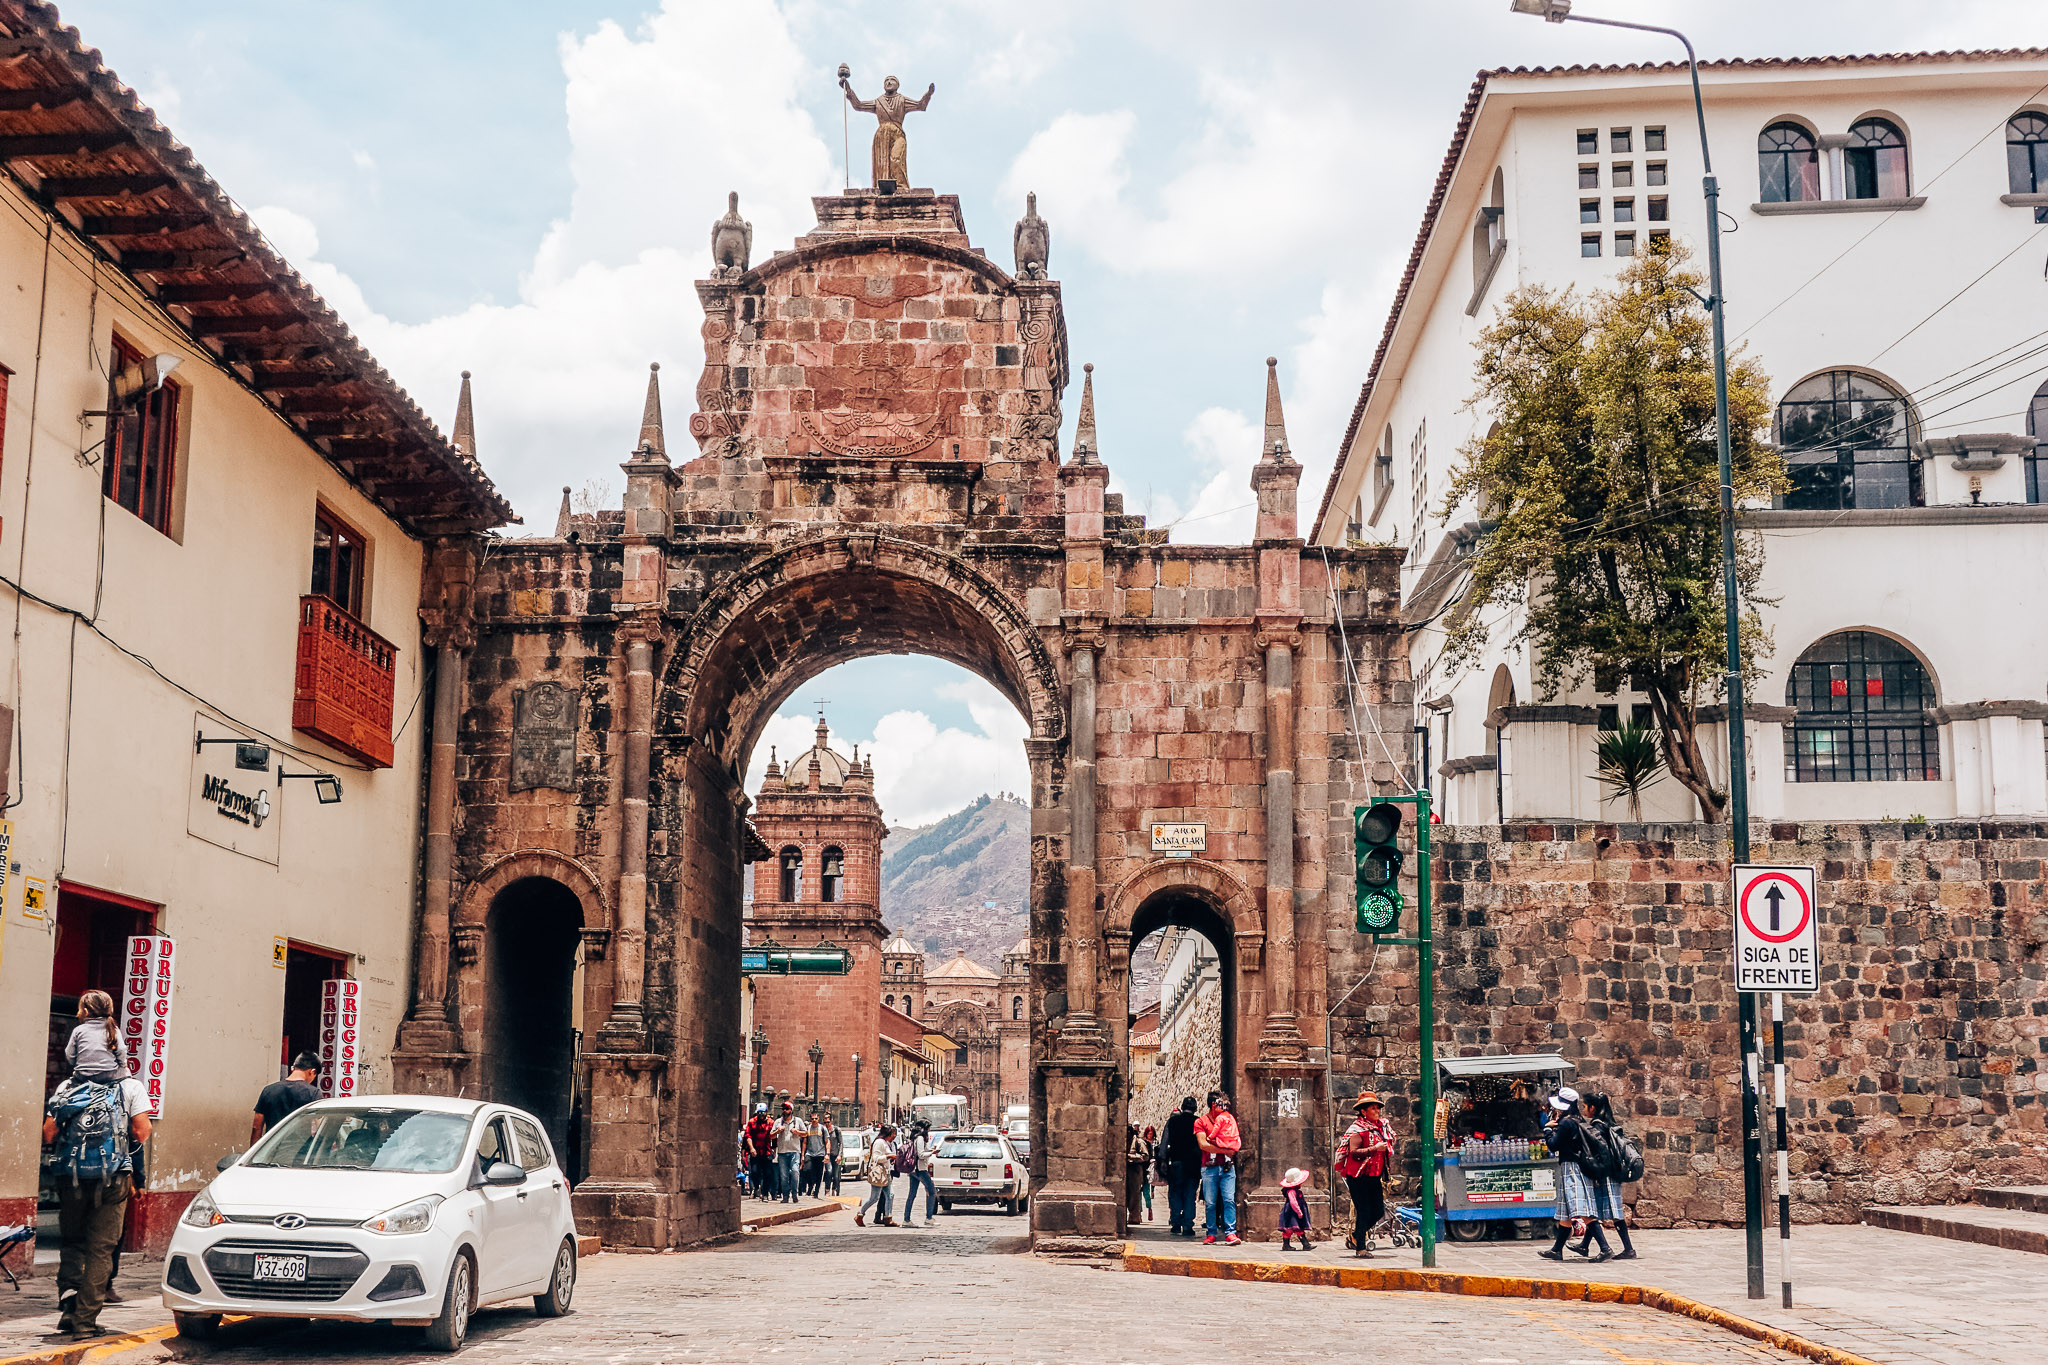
(2037, 458)
(1788, 164)
(1847, 440)
(1860, 713)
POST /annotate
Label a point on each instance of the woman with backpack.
(1602, 1131)
(1578, 1207)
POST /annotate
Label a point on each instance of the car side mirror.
(504, 1173)
(230, 1159)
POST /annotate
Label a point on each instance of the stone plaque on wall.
(544, 738)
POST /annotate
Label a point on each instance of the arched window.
(1860, 713)
(890, 1001)
(1874, 161)
(2026, 153)
(2037, 458)
(899, 969)
(1787, 166)
(1016, 1007)
(792, 872)
(831, 875)
(1847, 442)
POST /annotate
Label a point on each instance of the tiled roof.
(1463, 130)
(81, 144)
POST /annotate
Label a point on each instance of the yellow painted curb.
(1386, 1278)
(91, 1352)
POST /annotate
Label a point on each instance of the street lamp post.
(760, 1042)
(1556, 12)
(817, 1055)
(857, 1115)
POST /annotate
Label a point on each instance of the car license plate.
(280, 1268)
(970, 1172)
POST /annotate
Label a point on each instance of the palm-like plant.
(1630, 763)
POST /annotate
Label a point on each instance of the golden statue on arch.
(892, 149)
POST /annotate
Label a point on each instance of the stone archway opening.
(532, 1015)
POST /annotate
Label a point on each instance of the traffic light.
(1379, 861)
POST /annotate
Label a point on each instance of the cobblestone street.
(966, 1294)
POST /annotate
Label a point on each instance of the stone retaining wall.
(1915, 1073)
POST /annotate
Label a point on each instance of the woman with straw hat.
(1362, 1161)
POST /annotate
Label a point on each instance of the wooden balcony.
(346, 676)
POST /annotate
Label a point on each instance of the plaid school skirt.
(1581, 1196)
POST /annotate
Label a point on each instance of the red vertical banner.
(340, 1002)
(146, 1013)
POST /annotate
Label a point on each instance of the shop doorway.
(93, 929)
(306, 970)
(533, 1011)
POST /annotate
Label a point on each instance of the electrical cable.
(222, 712)
(1939, 308)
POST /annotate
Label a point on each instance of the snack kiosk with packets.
(1493, 1160)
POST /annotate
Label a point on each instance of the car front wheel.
(445, 1333)
(197, 1326)
(561, 1285)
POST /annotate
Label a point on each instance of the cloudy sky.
(525, 190)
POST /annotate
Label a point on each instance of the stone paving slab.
(2013, 1229)
(823, 1292)
(1890, 1296)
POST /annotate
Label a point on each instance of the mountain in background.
(965, 882)
(961, 882)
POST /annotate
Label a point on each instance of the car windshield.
(971, 1149)
(366, 1138)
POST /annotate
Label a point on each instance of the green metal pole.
(1426, 968)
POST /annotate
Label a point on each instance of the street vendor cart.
(1493, 1160)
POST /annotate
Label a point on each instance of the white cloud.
(922, 771)
(364, 161)
(662, 123)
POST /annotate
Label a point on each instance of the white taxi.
(412, 1209)
(980, 1168)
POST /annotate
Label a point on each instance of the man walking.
(93, 1130)
(814, 1156)
(760, 1136)
(789, 1146)
(279, 1098)
(835, 1152)
(1182, 1159)
(1216, 1133)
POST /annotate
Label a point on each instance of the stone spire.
(1086, 450)
(1274, 447)
(651, 442)
(464, 438)
(562, 517)
(823, 732)
(774, 768)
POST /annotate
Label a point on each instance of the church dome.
(899, 946)
(961, 968)
(833, 768)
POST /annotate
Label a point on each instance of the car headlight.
(417, 1216)
(202, 1212)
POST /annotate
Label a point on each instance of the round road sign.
(1775, 908)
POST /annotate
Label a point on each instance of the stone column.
(1082, 929)
(1281, 1026)
(428, 1057)
(625, 1030)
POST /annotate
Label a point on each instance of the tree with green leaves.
(1599, 493)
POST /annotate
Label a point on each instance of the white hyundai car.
(414, 1209)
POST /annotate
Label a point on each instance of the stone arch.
(818, 602)
(1205, 881)
(534, 862)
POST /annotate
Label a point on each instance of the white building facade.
(216, 703)
(1884, 261)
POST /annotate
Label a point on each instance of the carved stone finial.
(732, 241)
(1274, 447)
(651, 442)
(464, 438)
(1085, 448)
(891, 148)
(1032, 241)
(562, 517)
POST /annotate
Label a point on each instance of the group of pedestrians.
(790, 1157)
(910, 1152)
(1196, 1158)
(1594, 1161)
